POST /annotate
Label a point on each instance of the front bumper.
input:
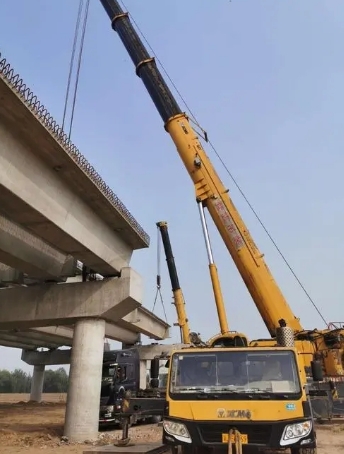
(260, 434)
(107, 417)
(109, 413)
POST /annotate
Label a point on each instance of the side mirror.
(317, 370)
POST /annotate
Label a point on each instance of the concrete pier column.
(83, 399)
(37, 383)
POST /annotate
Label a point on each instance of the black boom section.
(146, 67)
(169, 256)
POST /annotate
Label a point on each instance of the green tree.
(62, 378)
(21, 381)
(6, 382)
(18, 381)
(55, 381)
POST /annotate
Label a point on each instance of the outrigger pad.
(140, 448)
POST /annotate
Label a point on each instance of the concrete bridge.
(55, 212)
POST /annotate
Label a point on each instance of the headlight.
(103, 408)
(177, 430)
(294, 432)
(109, 408)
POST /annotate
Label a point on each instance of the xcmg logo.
(233, 413)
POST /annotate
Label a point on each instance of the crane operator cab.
(195, 372)
(272, 371)
(277, 375)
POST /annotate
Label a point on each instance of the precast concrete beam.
(60, 357)
(48, 337)
(149, 352)
(145, 322)
(48, 187)
(16, 344)
(64, 304)
(24, 251)
(9, 275)
(35, 341)
(52, 358)
(118, 333)
(65, 333)
(56, 336)
(62, 334)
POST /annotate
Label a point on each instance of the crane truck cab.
(254, 397)
(122, 374)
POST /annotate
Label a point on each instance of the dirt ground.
(27, 427)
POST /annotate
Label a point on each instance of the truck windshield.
(108, 371)
(269, 374)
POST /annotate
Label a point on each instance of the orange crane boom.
(210, 192)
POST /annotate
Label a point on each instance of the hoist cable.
(193, 117)
(158, 276)
(268, 234)
(158, 259)
(71, 64)
(158, 293)
(79, 66)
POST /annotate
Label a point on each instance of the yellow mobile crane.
(251, 396)
(327, 344)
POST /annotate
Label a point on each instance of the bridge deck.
(29, 121)
(50, 192)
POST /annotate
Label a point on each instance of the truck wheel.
(176, 450)
(186, 450)
(303, 451)
(193, 450)
(155, 419)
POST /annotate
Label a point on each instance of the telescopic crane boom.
(209, 189)
(210, 192)
(178, 296)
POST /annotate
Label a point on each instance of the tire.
(304, 451)
(193, 450)
(155, 419)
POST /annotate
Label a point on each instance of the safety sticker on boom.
(228, 223)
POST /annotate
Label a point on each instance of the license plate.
(243, 438)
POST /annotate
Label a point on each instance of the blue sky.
(265, 79)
